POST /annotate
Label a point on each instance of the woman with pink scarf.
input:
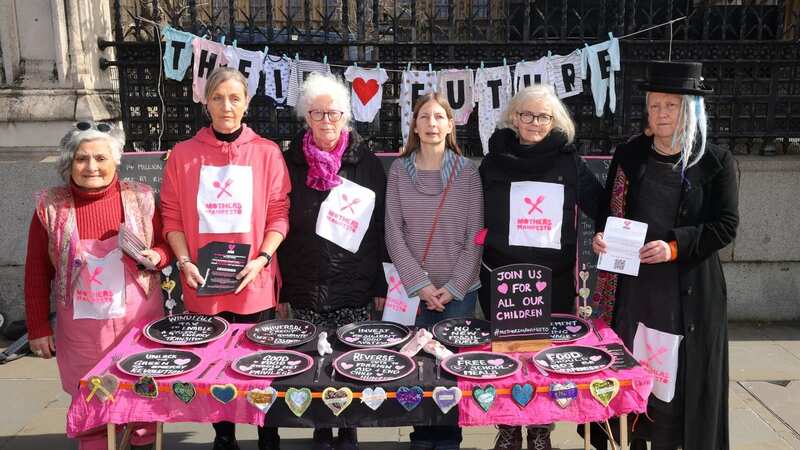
(331, 281)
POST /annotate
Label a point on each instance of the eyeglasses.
(333, 116)
(539, 119)
(101, 127)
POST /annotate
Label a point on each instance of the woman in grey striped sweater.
(434, 208)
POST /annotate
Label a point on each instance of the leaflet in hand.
(624, 238)
(132, 246)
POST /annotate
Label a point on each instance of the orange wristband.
(673, 247)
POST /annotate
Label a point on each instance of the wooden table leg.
(126, 437)
(623, 431)
(587, 436)
(159, 435)
(111, 434)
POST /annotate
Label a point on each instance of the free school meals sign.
(521, 302)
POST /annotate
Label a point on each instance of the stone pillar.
(51, 76)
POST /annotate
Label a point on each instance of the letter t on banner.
(494, 91)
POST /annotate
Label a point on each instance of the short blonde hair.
(562, 120)
(72, 141)
(319, 84)
(222, 75)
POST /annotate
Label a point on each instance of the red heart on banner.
(365, 89)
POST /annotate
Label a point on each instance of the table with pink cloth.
(127, 406)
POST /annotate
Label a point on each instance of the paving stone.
(762, 361)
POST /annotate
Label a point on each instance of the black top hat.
(675, 78)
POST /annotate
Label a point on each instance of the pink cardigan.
(271, 187)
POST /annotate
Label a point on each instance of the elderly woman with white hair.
(673, 314)
(73, 255)
(329, 276)
(533, 175)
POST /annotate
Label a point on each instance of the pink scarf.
(323, 166)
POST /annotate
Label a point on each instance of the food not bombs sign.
(521, 302)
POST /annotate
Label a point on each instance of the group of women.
(443, 221)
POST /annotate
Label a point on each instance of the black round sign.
(374, 365)
(273, 364)
(282, 332)
(463, 332)
(481, 365)
(162, 362)
(573, 359)
(186, 329)
(567, 328)
(373, 334)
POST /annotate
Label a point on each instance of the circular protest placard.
(463, 332)
(573, 359)
(371, 334)
(282, 332)
(273, 364)
(481, 365)
(162, 362)
(186, 329)
(374, 365)
(567, 328)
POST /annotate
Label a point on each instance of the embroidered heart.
(146, 387)
(595, 358)
(346, 366)
(541, 285)
(563, 393)
(223, 393)
(484, 396)
(409, 397)
(168, 285)
(167, 271)
(522, 394)
(495, 362)
(584, 292)
(298, 400)
(584, 275)
(184, 391)
(373, 397)
(585, 311)
(604, 390)
(337, 399)
(182, 361)
(502, 288)
(365, 89)
(446, 398)
(262, 398)
(108, 382)
(573, 328)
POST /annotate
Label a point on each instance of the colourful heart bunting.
(522, 394)
(484, 396)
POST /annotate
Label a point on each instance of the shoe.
(347, 439)
(323, 439)
(508, 438)
(539, 438)
(268, 439)
(225, 443)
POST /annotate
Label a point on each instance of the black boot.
(268, 438)
(225, 443)
(323, 439)
(347, 439)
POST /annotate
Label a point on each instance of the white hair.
(73, 140)
(561, 117)
(692, 124)
(319, 84)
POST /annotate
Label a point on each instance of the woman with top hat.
(673, 314)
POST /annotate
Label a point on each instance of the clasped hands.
(435, 299)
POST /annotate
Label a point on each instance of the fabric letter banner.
(277, 70)
(415, 84)
(366, 91)
(249, 64)
(301, 69)
(603, 60)
(177, 52)
(567, 73)
(208, 55)
(458, 86)
(527, 73)
(494, 91)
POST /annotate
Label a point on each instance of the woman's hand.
(250, 272)
(443, 295)
(598, 244)
(192, 275)
(43, 347)
(655, 252)
(428, 295)
(379, 303)
(151, 256)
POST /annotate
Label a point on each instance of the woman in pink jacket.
(227, 184)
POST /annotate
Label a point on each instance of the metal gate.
(750, 52)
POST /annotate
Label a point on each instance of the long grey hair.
(692, 125)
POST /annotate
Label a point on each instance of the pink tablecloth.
(632, 396)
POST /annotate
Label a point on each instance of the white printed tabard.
(225, 199)
(345, 215)
(657, 351)
(399, 307)
(100, 289)
(535, 212)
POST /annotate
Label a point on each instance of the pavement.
(764, 404)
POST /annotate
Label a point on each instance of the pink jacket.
(271, 187)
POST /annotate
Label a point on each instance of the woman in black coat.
(324, 283)
(534, 156)
(686, 191)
